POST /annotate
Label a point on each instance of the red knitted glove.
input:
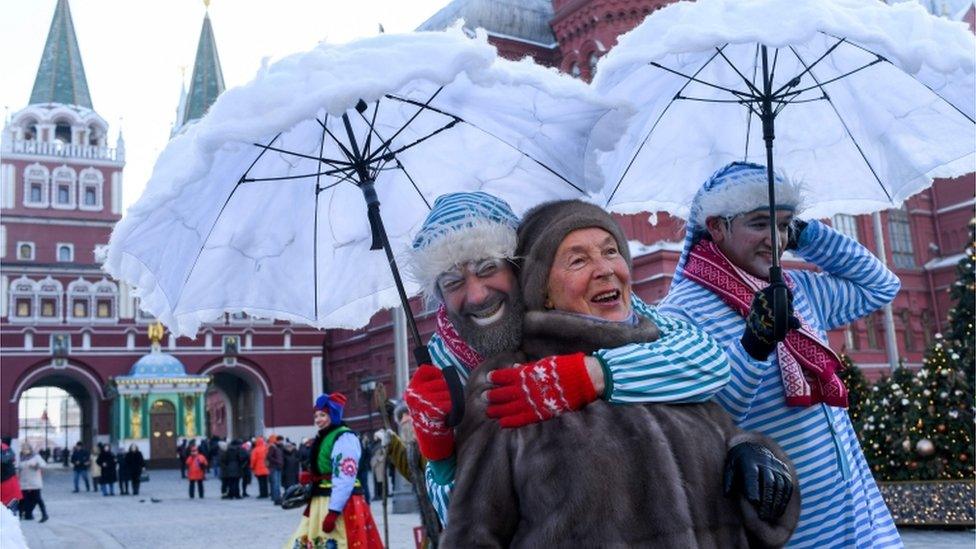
(537, 391)
(328, 524)
(429, 402)
(304, 477)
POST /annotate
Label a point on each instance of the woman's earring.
(548, 304)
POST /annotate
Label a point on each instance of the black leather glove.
(758, 339)
(752, 471)
(795, 230)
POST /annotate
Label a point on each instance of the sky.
(135, 51)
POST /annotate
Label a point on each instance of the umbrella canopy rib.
(223, 207)
(425, 105)
(847, 129)
(315, 232)
(937, 94)
(692, 78)
(653, 127)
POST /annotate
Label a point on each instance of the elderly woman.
(635, 475)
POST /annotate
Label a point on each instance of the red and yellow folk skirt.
(355, 529)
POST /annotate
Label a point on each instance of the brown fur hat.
(541, 232)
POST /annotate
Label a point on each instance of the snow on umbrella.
(270, 204)
(863, 102)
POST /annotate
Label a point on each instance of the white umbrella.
(260, 206)
(863, 102)
(900, 82)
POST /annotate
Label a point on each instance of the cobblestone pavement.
(89, 520)
(162, 516)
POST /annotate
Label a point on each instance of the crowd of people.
(262, 467)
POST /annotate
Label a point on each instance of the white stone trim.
(8, 186)
(30, 179)
(64, 176)
(71, 252)
(90, 178)
(33, 250)
(117, 192)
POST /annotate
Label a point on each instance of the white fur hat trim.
(482, 239)
(747, 196)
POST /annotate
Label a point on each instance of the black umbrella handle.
(781, 303)
(454, 386)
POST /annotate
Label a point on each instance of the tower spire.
(61, 75)
(207, 81)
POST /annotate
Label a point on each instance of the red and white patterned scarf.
(808, 366)
(468, 356)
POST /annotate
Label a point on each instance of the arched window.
(95, 135)
(575, 71)
(63, 185)
(66, 252)
(79, 301)
(36, 186)
(23, 300)
(25, 251)
(62, 132)
(49, 300)
(90, 194)
(30, 129)
(594, 59)
(106, 299)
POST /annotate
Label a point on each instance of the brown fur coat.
(646, 475)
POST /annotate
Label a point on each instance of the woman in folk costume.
(789, 389)
(337, 515)
(649, 475)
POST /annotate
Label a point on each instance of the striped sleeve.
(683, 365)
(439, 494)
(738, 395)
(442, 357)
(854, 282)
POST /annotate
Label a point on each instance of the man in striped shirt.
(787, 389)
(463, 257)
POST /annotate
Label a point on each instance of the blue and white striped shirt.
(683, 365)
(841, 505)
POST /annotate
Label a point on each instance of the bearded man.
(463, 256)
(789, 389)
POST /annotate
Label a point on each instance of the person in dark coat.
(106, 460)
(80, 462)
(125, 475)
(231, 468)
(136, 463)
(364, 466)
(245, 468)
(182, 454)
(289, 471)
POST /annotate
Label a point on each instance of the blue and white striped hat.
(736, 188)
(462, 227)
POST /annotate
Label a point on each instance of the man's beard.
(503, 335)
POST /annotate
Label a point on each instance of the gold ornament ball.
(963, 458)
(906, 445)
(941, 428)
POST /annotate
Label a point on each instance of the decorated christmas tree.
(857, 390)
(940, 419)
(883, 430)
(960, 336)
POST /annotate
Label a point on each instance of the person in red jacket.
(10, 493)
(259, 466)
(196, 470)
